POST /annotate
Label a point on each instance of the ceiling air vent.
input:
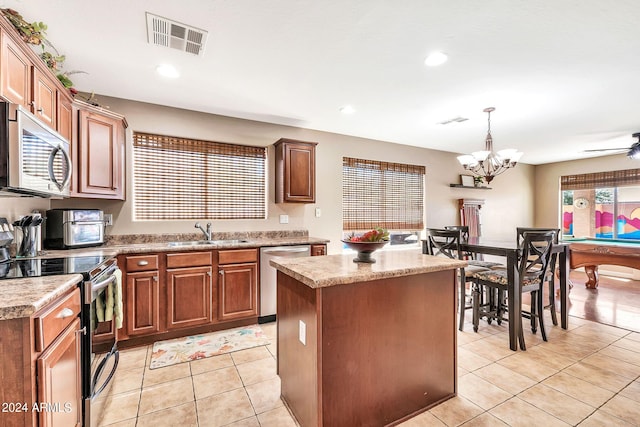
(164, 32)
(453, 120)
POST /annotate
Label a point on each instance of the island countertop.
(331, 270)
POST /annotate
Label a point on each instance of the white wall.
(508, 204)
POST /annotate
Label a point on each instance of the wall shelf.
(468, 186)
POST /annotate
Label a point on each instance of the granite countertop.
(164, 246)
(331, 270)
(23, 297)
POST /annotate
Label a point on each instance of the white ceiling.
(564, 76)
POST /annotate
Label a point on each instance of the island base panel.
(383, 350)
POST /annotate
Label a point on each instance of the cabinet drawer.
(141, 263)
(188, 259)
(237, 255)
(55, 317)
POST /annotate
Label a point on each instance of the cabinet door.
(237, 291)
(15, 85)
(59, 380)
(44, 98)
(300, 167)
(188, 297)
(64, 117)
(100, 156)
(142, 303)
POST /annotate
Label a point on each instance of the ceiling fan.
(633, 152)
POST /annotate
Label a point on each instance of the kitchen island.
(366, 344)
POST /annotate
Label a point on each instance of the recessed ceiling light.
(347, 109)
(166, 70)
(435, 58)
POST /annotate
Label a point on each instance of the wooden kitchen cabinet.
(59, 380)
(141, 294)
(295, 171)
(99, 153)
(318, 250)
(189, 289)
(41, 365)
(26, 80)
(237, 284)
(16, 71)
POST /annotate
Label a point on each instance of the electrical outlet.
(284, 219)
(302, 333)
(318, 213)
(108, 219)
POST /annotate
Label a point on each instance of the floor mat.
(186, 349)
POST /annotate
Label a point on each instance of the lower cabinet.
(58, 380)
(142, 303)
(237, 283)
(165, 293)
(189, 289)
(40, 366)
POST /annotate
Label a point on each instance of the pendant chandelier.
(487, 164)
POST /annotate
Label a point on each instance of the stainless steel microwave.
(34, 159)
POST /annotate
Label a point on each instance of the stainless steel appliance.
(98, 366)
(34, 159)
(74, 228)
(268, 277)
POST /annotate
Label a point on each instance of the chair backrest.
(521, 230)
(444, 242)
(464, 230)
(536, 253)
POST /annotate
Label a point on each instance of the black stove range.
(38, 267)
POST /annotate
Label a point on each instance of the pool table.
(590, 253)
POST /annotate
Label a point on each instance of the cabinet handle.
(66, 312)
(82, 330)
(39, 110)
(143, 263)
(32, 104)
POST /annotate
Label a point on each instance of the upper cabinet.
(98, 153)
(295, 171)
(26, 80)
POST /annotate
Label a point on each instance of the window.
(383, 194)
(181, 179)
(603, 205)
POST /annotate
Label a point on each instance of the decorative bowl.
(364, 249)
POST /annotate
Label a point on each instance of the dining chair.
(532, 268)
(550, 277)
(442, 242)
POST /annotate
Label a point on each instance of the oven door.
(103, 355)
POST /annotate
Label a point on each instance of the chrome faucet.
(207, 232)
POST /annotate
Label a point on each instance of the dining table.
(511, 252)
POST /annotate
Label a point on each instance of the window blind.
(620, 178)
(382, 194)
(180, 178)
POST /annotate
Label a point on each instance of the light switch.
(318, 213)
(302, 333)
(284, 219)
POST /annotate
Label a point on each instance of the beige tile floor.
(587, 376)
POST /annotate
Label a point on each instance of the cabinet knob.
(221, 272)
(143, 263)
(155, 278)
(66, 312)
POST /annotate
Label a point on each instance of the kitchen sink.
(208, 242)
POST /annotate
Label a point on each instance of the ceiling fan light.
(634, 152)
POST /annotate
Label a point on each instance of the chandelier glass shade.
(487, 164)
